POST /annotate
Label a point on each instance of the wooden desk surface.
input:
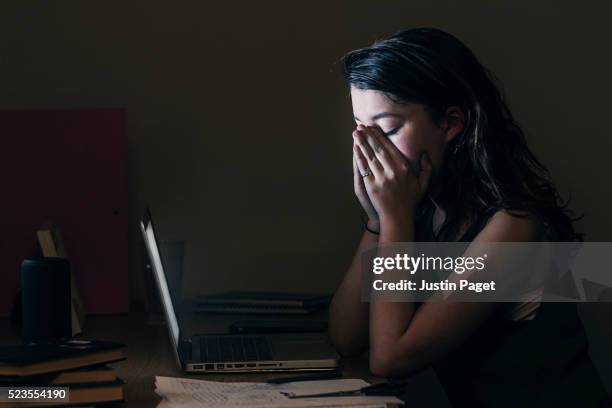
(149, 354)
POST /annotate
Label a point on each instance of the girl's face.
(408, 126)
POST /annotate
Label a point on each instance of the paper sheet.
(187, 393)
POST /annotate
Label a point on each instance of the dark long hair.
(489, 165)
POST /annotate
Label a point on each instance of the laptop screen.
(146, 226)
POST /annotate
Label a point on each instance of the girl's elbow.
(390, 361)
(383, 363)
(389, 365)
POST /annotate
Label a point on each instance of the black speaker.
(45, 287)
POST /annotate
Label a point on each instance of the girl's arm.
(348, 315)
(404, 340)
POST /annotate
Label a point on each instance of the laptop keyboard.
(234, 348)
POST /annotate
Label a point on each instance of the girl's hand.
(362, 195)
(392, 186)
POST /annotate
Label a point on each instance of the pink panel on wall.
(69, 167)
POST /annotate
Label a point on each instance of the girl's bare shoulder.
(513, 226)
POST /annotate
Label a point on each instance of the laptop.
(235, 352)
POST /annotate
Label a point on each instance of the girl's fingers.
(360, 161)
(381, 145)
(363, 165)
(356, 173)
(361, 140)
(386, 152)
(382, 154)
(367, 152)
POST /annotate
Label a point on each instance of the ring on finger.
(366, 173)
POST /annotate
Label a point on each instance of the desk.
(149, 354)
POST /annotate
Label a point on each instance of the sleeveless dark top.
(542, 362)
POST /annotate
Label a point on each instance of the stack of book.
(79, 365)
